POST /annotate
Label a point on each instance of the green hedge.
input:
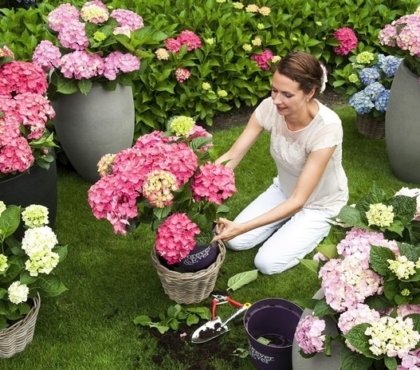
(225, 65)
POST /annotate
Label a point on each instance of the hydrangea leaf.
(239, 280)
(351, 216)
(354, 361)
(9, 221)
(311, 265)
(390, 363)
(358, 339)
(410, 251)
(379, 257)
(142, 320)
(328, 250)
(52, 286)
(416, 321)
(322, 309)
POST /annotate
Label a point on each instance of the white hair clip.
(324, 78)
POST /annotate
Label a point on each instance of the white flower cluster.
(38, 244)
(402, 267)
(392, 336)
(380, 215)
(18, 292)
(3, 263)
(35, 215)
(2, 207)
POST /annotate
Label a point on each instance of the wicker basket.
(371, 127)
(15, 338)
(189, 287)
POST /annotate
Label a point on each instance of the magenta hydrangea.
(117, 62)
(61, 16)
(175, 238)
(347, 40)
(309, 334)
(115, 200)
(73, 36)
(22, 77)
(182, 74)
(214, 183)
(188, 38)
(263, 59)
(127, 18)
(47, 55)
(81, 65)
(16, 156)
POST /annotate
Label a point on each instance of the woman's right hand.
(227, 230)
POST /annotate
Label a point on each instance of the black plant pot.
(21, 3)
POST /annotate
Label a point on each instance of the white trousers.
(287, 240)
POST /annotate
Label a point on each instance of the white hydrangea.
(2, 207)
(380, 215)
(35, 215)
(38, 239)
(42, 262)
(3, 263)
(402, 267)
(18, 292)
(392, 336)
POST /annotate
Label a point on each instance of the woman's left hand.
(226, 229)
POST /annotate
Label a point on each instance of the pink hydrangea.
(22, 77)
(190, 39)
(346, 282)
(73, 36)
(411, 361)
(263, 60)
(200, 132)
(117, 61)
(47, 55)
(173, 45)
(358, 243)
(175, 238)
(360, 314)
(151, 139)
(408, 309)
(34, 111)
(127, 18)
(9, 129)
(131, 166)
(214, 183)
(182, 74)
(94, 11)
(113, 199)
(16, 156)
(347, 40)
(61, 16)
(309, 335)
(81, 65)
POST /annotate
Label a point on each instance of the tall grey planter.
(90, 126)
(402, 125)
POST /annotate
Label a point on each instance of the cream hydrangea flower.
(260, 26)
(181, 125)
(38, 239)
(392, 336)
(402, 267)
(222, 93)
(122, 30)
(238, 5)
(264, 10)
(162, 54)
(354, 78)
(18, 292)
(42, 262)
(209, 41)
(3, 263)
(256, 41)
(380, 215)
(220, 1)
(35, 215)
(206, 86)
(365, 57)
(2, 207)
(105, 164)
(247, 47)
(94, 12)
(275, 59)
(252, 8)
(158, 188)
(99, 36)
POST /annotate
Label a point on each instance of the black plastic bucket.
(270, 325)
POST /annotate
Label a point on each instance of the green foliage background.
(291, 25)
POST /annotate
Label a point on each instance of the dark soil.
(177, 345)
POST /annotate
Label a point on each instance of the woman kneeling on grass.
(291, 216)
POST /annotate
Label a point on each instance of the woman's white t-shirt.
(290, 150)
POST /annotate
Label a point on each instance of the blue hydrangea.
(389, 64)
(373, 90)
(382, 101)
(361, 103)
(369, 75)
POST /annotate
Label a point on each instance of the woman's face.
(287, 95)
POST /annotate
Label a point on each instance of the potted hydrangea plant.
(90, 59)
(369, 301)
(167, 181)
(26, 273)
(26, 139)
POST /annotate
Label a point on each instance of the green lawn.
(111, 279)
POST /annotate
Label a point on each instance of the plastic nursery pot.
(201, 257)
(270, 325)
